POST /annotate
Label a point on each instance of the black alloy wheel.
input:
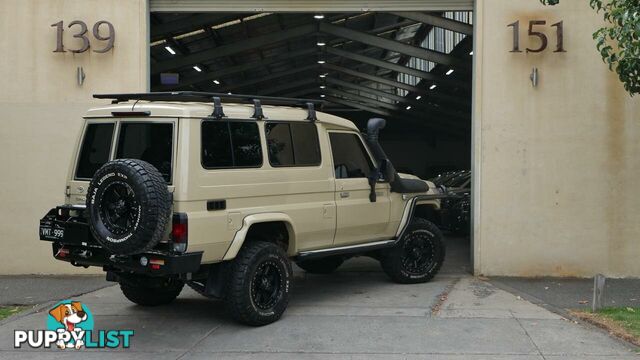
(119, 208)
(266, 286)
(418, 254)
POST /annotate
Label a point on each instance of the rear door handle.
(344, 194)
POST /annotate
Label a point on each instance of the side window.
(293, 144)
(245, 141)
(94, 151)
(350, 158)
(151, 142)
(280, 145)
(216, 145)
(306, 146)
(228, 144)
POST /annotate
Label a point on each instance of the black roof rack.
(217, 99)
(195, 96)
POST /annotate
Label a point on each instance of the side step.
(349, 249)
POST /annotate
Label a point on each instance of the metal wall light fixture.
(80, 75)
(534, 77)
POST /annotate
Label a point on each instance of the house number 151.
(544, 41)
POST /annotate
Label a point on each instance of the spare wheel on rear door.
(129, 206)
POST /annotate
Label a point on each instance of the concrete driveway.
(356, 313)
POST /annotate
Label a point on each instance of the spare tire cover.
(129, 206)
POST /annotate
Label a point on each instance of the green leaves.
(619, 42)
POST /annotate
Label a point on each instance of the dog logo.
(70, 326)
(69, 314)
(72, 318)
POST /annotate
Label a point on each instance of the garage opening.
(413, 68)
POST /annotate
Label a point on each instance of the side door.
(358, 219)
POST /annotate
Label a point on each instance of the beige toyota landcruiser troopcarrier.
(221, 192)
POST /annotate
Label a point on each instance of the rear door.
(358, 219)
(149, 140)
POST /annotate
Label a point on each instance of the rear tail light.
(180, 232)
(62, 252)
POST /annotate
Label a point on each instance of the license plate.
(51, 233)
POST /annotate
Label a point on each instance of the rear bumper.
(150, 263)
(66, 228)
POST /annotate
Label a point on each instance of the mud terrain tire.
(259, 284)
(418, 256)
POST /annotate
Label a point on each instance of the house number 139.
(81, 31)
(544, 41)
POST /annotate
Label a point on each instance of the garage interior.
(412, 68)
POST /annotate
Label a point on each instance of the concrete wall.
(42, 106)
(556, 166)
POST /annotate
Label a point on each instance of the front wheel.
(259, 283)
(418, 255)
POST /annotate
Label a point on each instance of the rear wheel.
(321, 266)
(259, 284)
(160, 293)
(418, 255)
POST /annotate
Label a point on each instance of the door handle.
(344, 194)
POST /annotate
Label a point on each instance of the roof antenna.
(257, 112)
(311, 112)
(218, 112)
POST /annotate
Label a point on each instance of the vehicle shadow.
(358, 284)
